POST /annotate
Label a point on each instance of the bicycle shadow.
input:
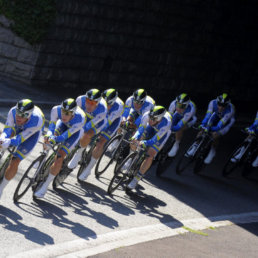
(45, 209)
(98, 195)
(12, 221)
(81, 208)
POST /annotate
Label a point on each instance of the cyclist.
(183, 112)
(155, 132)
(136, 105)
(251, 130)
(115, 108)
(23, 128)
(95, 108)
(66, 123)
(219, 119)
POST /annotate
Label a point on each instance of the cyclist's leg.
(86, 172)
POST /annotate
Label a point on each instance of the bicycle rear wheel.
(27, 179)
(199, 162)
(121, 176)
(108, 156)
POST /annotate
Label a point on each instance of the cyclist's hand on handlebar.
(5, 143)
(249, 131)
(142, 144)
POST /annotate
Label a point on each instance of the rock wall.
(203, 47)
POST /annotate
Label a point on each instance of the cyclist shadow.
(98, 195)
(12, 221)
(148, 205)
(58, 217)
(81, 208)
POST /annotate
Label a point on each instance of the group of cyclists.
(76, 122)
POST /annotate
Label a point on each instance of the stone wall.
(203, 47)
(17, 57)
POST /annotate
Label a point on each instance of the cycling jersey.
(114, 117)
(156, 135)
(179, 120)
(218, 120)
(27, 135)
(254, 126)
(130, 108)
(73, 126)
(97, 119)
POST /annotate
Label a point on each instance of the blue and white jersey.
(115, 111)
(254, 126)
(181, 119)
(34, 124)
(97, 116)
(129, 106)
(74, 125)
(224, 117)
(161, 129)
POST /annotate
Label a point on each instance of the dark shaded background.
(203, 47)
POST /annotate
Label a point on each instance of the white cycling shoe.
(84, 175)
(255, 163)
(238, 156)
(210, 156)
(174, 150)
(41, 192)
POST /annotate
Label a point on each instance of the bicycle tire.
(183, 163)
(120, 176)
(163, 164)
(199, 161)
(5, 165)
(98, 169)
(42, 176)
(230, 166)
(24, 185)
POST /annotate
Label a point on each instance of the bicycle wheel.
(27, 179)
(4, 166)
(163, 163)
(43, 174)
(121, 174)
(199, 161)
(65, 171)
(108, 156)
(183, 163)
(85, 160)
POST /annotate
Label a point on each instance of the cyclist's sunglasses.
(180, 105)
(66, 112)
(91, 102)
(22, 114)
(139, 102)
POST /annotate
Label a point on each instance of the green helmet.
(110, 95)
(157, 113)
(24, 108)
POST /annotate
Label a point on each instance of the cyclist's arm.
(9, 128)
(53, 119)
(127, 108)
(183, 121)
(28, 132)
(162, 131)
(115, 114)
(208, 114)
(222, 122)
(68, 133)
(172, 107)
(254, 126)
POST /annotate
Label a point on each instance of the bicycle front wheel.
(108, 156)
(232, 166)
(183, 163)
(86, 156)
(121, 175)
(27, 179)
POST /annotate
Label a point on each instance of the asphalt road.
(85, 212)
